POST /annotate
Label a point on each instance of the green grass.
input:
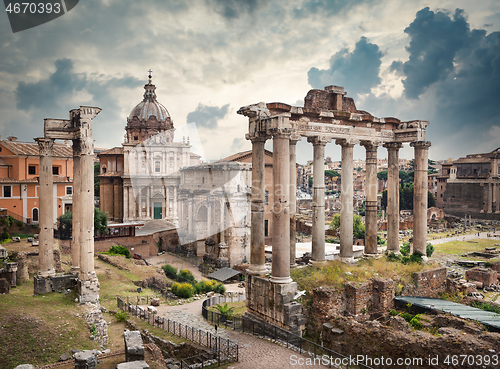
(239, 308)
(463, 247)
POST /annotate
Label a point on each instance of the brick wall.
(427, 284)
(486, 276)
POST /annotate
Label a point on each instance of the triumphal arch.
(327, 115)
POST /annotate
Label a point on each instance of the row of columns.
(492, 197)
(284, 183)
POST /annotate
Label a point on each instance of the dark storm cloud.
(232, 9)
(357, 71)
(435, 41)
(207, 116)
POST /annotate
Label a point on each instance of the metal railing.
(286, 338)
(222, 350)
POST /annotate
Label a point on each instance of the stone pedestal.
(420, 196)
(134, 347)
(12, 268)
(85, 359)
(88, 290)
(273, 303)
(393, 196)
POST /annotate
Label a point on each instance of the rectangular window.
(69, 190)
(267, 198)
(31, 169)
(55, 171)
(7, 191)
(266, 227)
(157, 167)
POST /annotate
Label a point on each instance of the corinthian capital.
(45, 146)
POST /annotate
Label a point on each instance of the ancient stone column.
(420, 196)
(257, 252)
(294, 138)
(88, 283)
(346, 212)
(46, 218)
(190, 216)
(222, 224)
(76, 209)
(393, 196)
(281, 207)
(490, 197)
(318, 203)
(371, 198)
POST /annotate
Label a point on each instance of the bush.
(405, 249)
(121, 316)
(220, 288)
(182, 290)
(19, 223)
(204, 286)
(118, 250)
(429, 250)
(187, 275)
(5, 234)
(170, 271)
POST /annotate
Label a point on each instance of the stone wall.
(373, 296)
(486, 276)
(428, 283)
(273, 303)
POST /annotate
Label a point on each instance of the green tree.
(65, 223)
(382, 175)
(358, 228)
(310, 181)
(406, 198)
(97, 170)
(331, 173)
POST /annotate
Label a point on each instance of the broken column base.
(57, 283)
(273, 303)
(88, 291)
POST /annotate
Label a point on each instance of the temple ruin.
(78, 129)
(327, 115)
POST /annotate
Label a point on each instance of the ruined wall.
(486, 276)
(461, 199)
(428, 283)
(28, 265)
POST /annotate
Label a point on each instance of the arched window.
(34, 214)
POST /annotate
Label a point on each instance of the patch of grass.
(335, 273)
(239, 308)
(463, 247)
(486, 307)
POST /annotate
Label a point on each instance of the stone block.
(85, 359)
(486, 276)
(25, 366)
(42, 285)
(155, 302)
(134, 347)
(4, 285)
(62, 282)
(152, 310)
(133, 365)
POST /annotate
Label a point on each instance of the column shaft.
(318, 203)
(76, 210)
(346, 212)
(293, 198)
(46, 218)
(257, 236)
(490, 197)
(371, 200)
(87, 209)
(281, 209)
(420, 196)
(393, 196)
(222, 219)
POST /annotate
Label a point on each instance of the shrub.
(19, 223)
(5, 234)
(220, 288)
(405, 249)
(429, 250)
(183, 290)
(204, 286)
(187, 275)
(118, 250)
(416, 257)
(415, 322)
(121, 316)
(169, 270)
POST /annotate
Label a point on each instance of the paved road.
(467, 237)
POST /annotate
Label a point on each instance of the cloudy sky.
(430, 60)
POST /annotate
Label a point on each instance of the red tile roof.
(31, 148)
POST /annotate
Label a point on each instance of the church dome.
(148, 118)
(149, 106)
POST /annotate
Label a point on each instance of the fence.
(222, 350)
(291, 340)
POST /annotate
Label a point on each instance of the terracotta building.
(19, 172)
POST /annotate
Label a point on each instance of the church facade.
(140, 180)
